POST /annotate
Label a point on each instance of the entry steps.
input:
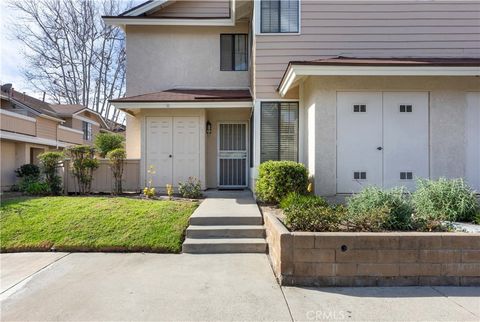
(226, 225)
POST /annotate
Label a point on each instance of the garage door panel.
(159, 150)
(359, 123)
(472, 140)
(405, 133)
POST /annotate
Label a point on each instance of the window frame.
(233, 35)
(258, 21)
(87, 131)
(279, 102)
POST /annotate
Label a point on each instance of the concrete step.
(217, 231)
(226, 220)
(224, 245)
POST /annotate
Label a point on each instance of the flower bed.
(372, 259)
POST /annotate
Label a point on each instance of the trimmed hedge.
(276, 179)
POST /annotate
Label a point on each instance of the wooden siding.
(17, 125)
(46, 128)
(68, 136)
(195, 9)
(369, 29)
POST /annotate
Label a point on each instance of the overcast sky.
(11, 59)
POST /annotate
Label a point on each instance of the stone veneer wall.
(372, 259)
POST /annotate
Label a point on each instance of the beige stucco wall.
(216, 116)
(8, 165)
(166, 57)
(447, 120)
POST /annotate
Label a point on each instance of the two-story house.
(30, 126)
(362, 92)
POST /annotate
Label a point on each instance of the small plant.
(373, 204)
(276, 179)
(373, 221)
(149, 191)
(106, 142)
(28, 170)
(117, 160)
(192, 188)
(36, 188)
(169, 189)
(83, 164)
(314, 218)
(51, 161)
(298, 200)
(444, 200)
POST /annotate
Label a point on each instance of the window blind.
(279, 131)
(279, 16)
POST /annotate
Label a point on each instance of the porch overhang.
(186, 98)
(342, 66)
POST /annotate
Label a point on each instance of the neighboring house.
(363, 93)
(30, 126)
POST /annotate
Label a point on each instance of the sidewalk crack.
(451, 300)
(34, 273)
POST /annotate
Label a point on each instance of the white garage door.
(472, 138)
(382, 139)
(173, 149)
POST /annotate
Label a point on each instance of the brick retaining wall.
(372, 259)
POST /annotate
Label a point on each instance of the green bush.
(36, 188)
(298, 200)
(106, 142)
(314, 218)
(373, 221)
(51, 161)
(28, 170)
(444, 200)
(117, 159)
(191, 188)
(373, 204)
(83, 163)
(276, 179)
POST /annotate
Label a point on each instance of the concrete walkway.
(214, 287)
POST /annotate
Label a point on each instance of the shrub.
(298, 200)
(36, 188)
(51, 161)
(117, 160)
(83, 164)
(28, 170)
(276, 179)
(106, 142)
(373, 221)
(373, 205)
(444, 200)
(191, 188)
(314, 218)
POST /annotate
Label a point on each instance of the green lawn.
(93, 224)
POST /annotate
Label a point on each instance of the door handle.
(379, 148)
(169, 155)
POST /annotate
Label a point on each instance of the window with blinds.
(279, 16)
(233, 52)
(279, 131)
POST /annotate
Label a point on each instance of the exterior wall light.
(209, 127)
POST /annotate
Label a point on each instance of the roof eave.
(295, 70)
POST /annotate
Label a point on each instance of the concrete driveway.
(222, 287)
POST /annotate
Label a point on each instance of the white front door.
(405, 137)
(172, 149)
(359, 138)
(186, 149)
(382, 139)
(472, 139)
(159, 158)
